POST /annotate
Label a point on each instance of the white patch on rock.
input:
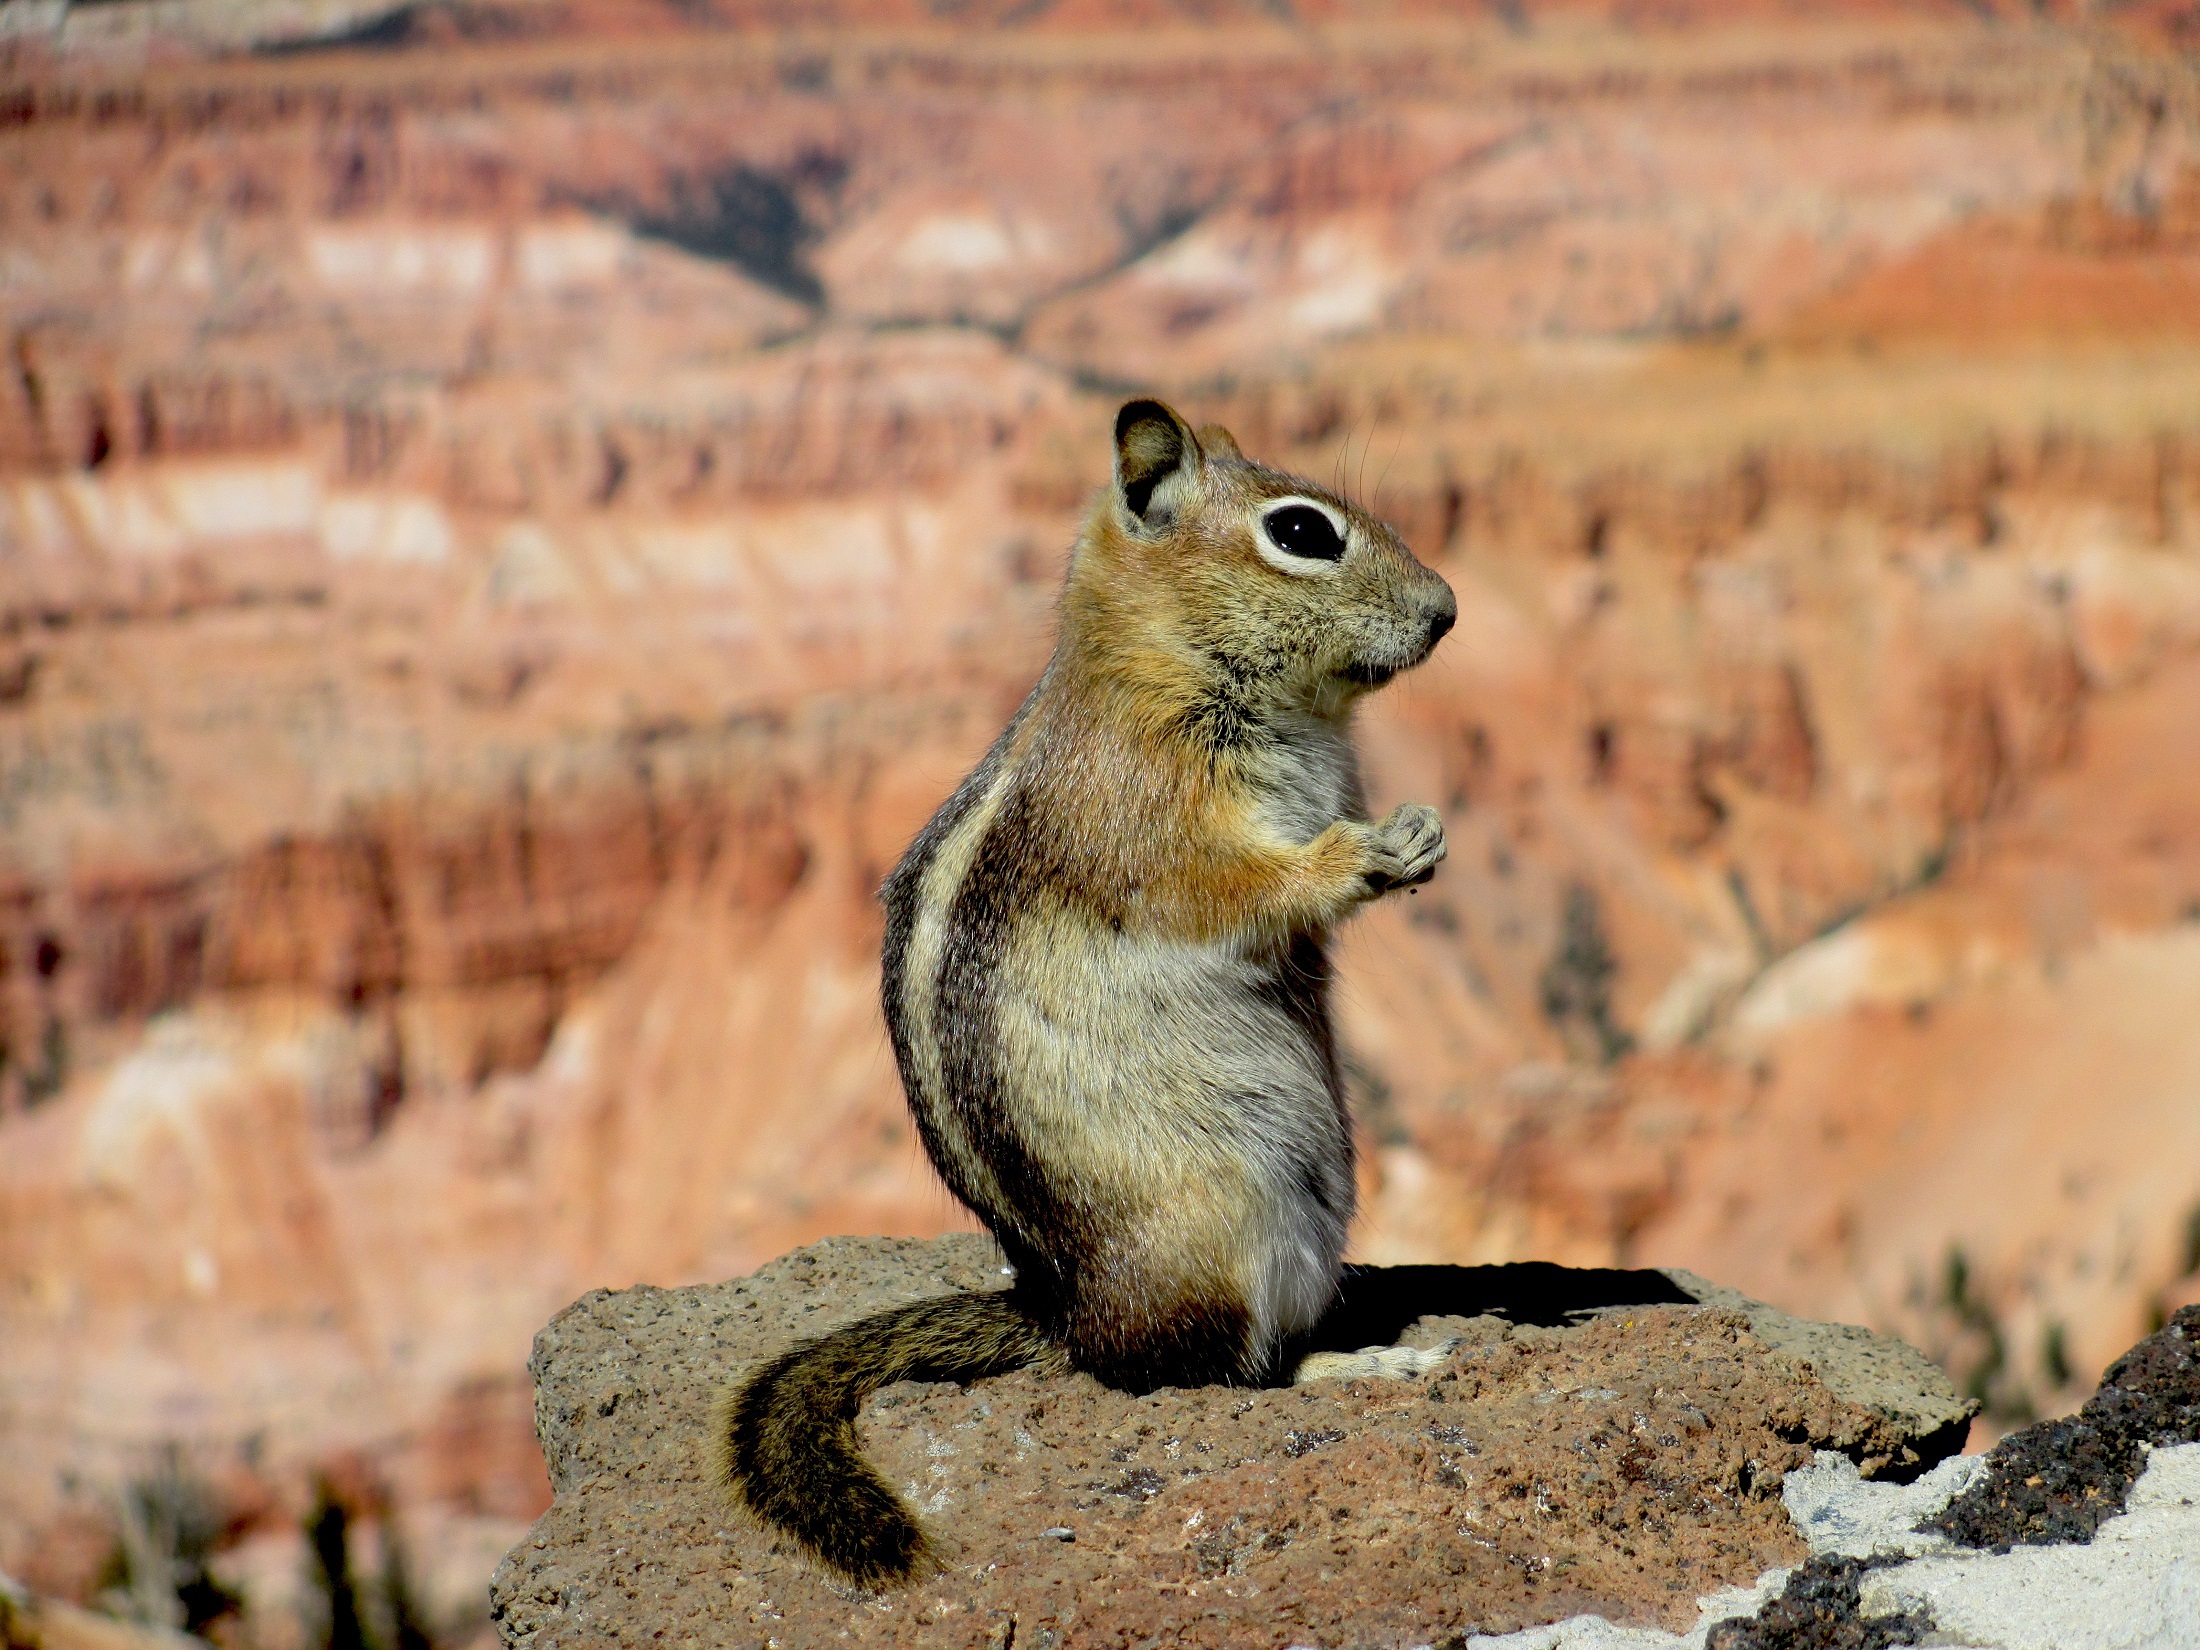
(202, 1274)
(386, 527)
(1862, 963)
(1837, 1511)
(574, 254)
(243, 500)
(529, 569)
(402, 257)
(964, 242)
(1692, 999)
(159, 1088)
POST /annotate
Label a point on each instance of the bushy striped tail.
(788, 1433)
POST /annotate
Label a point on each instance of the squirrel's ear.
(1217, 442)
(1155, 453)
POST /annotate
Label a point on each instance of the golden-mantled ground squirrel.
(1106, 976)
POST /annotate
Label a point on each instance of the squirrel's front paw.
(1407, 848)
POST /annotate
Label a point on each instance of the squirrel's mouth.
(1373, 673)
(1367, 673)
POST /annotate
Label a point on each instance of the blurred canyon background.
(513, 511)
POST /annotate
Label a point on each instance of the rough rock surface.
(2136, 1586)
(1920, 1419)
(1621, 1464)
(2093, 1526)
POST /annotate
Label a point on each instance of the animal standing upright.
(1106, 974)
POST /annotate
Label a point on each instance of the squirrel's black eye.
(1302, 530)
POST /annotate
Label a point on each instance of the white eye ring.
(1300, 567)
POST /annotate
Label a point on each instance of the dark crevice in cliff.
(764, 221)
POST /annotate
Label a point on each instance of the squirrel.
(1106, 977)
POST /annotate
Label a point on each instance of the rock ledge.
(1600, 1441)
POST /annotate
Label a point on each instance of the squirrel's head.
(1282, 588)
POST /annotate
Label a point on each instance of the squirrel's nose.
(1441, 621)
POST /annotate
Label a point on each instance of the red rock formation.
(506, 527)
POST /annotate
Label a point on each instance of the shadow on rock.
(1376, 1305)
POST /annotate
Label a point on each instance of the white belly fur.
(1158, 1071)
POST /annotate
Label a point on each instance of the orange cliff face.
(508, 525)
